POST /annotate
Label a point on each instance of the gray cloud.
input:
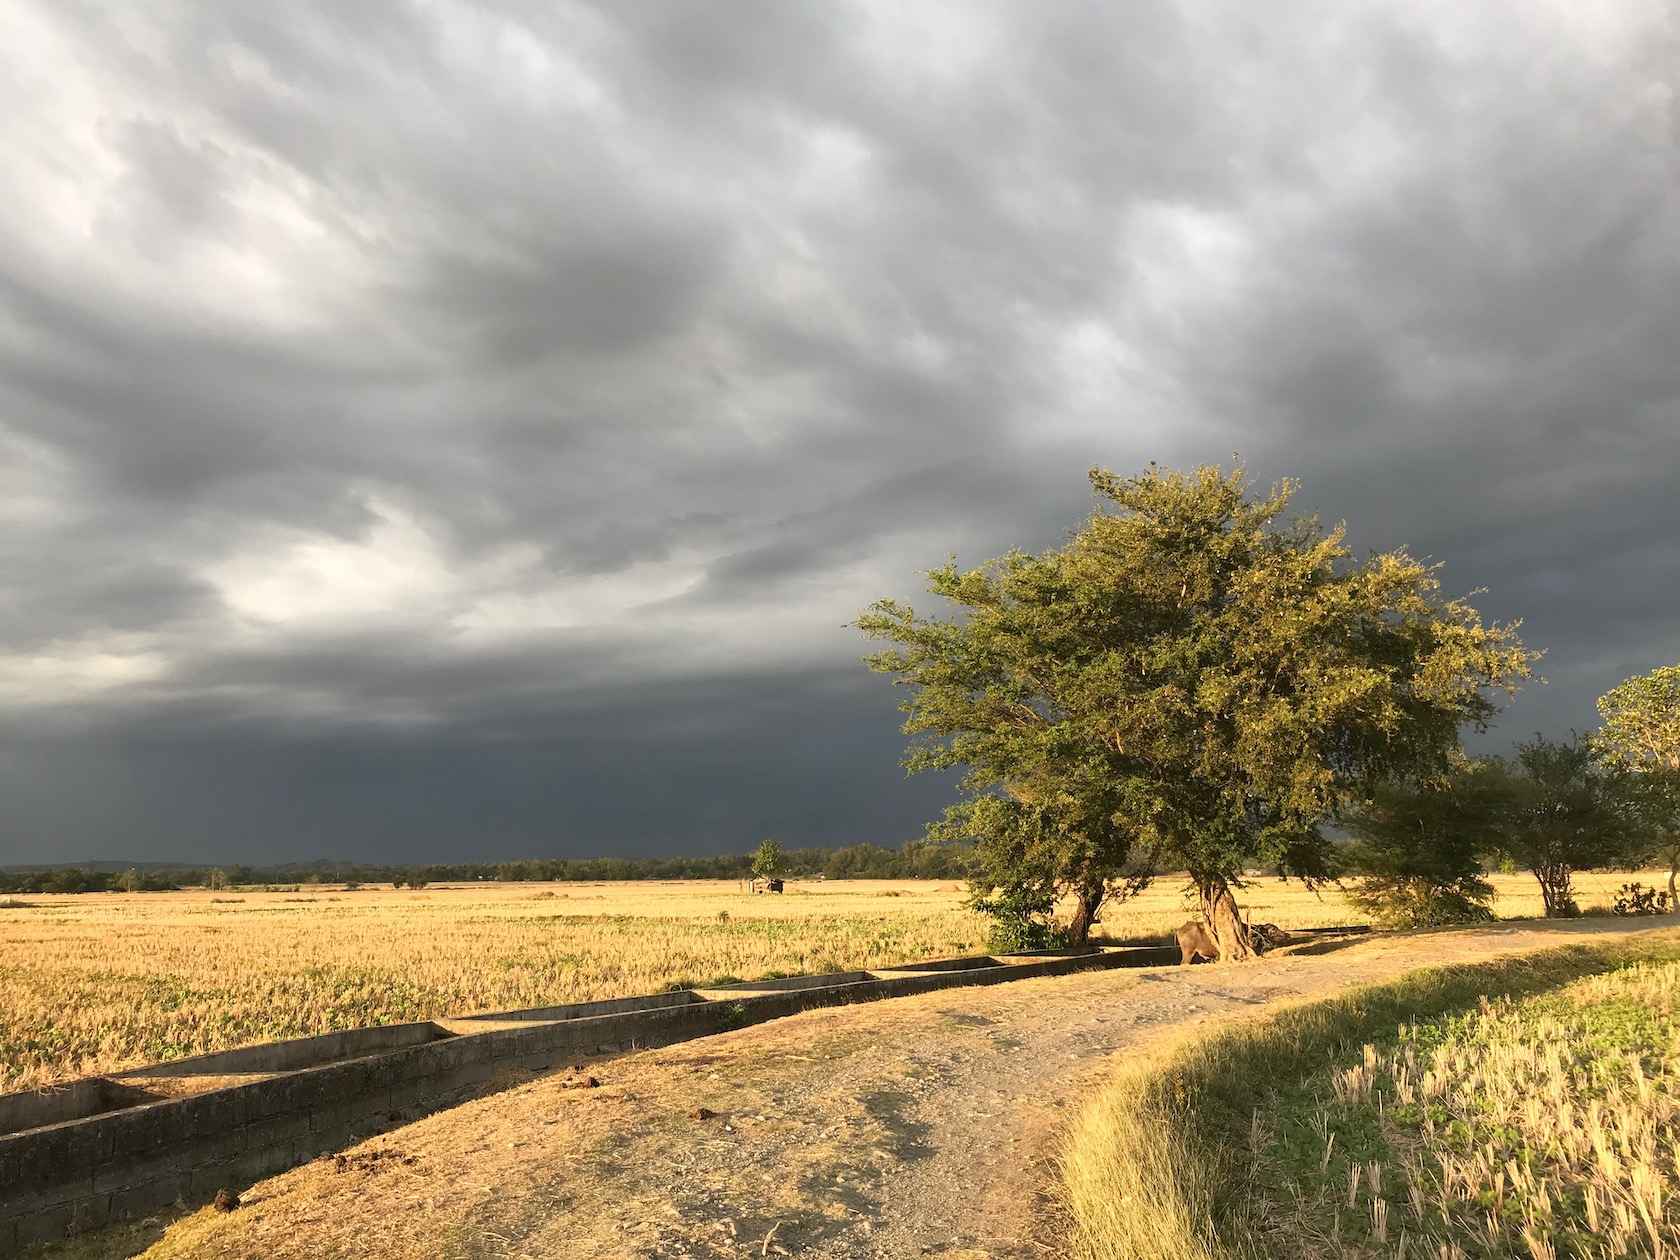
(423, 430)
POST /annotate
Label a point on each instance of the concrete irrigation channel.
(107, 1148)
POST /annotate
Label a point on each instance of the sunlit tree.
(1193, 675)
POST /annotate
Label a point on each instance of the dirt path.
(920, 1126)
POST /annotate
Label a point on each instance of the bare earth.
(919, 1126)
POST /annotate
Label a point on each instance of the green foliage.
(1653, 799)
(1022, 915)
(1642, 721)
(1419, 845)
(769, 859)
(1417, 901)
(1190, 677)
(1641, 733)
(1636, 899)
(1563, 811)
(70, 881)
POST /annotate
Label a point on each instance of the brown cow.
(1197, 942)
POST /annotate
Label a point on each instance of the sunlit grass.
(1542, 1127)
(1419, 1118)
(100, 982)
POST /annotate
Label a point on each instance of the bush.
(1417, 849)
(1418, 901)
(731, 1015)
(1021, 918)
(1635, 898)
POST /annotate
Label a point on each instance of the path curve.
(910, 1127)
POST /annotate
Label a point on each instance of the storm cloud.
(464, 430)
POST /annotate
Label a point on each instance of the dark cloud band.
(427, 428)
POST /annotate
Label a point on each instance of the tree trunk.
(1673, 870)
(1219, 911)
(1090, 898)
(1556, 891)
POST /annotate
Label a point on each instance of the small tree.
(1641, 733)
(769, 861)
(1031, 858)
(1419, 848)
(1022, 912)
(1563, 812)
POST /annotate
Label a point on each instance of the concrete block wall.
(108, 1148)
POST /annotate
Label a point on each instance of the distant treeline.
(916, 860)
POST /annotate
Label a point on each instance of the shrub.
(1635, 898)
(1417, 848)
(1021, 918)
(1417, 902)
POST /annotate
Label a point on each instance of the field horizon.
(93, 983)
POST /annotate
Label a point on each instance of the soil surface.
(921, 1126)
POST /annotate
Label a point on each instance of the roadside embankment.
(1513, 1106)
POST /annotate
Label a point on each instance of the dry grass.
(863, 1130)
(1538, 1128)
(100, 982)
(1132, 1189)
(1165, 905)
(1538, 1124)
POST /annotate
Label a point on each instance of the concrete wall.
(103, 1149)
(299, 1052)
(611, 1006)
(71, 1101)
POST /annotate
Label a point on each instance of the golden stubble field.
(99, 982)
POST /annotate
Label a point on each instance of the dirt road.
(919, 1126)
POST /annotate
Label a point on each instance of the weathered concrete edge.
(88, 1172)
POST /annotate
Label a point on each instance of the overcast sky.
(433, 431)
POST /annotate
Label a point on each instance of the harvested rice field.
(100, 982)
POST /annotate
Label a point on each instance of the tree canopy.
(1641, 733)
(1564, 812)
(1641, 719)
(769, 859)
(1190, 678)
